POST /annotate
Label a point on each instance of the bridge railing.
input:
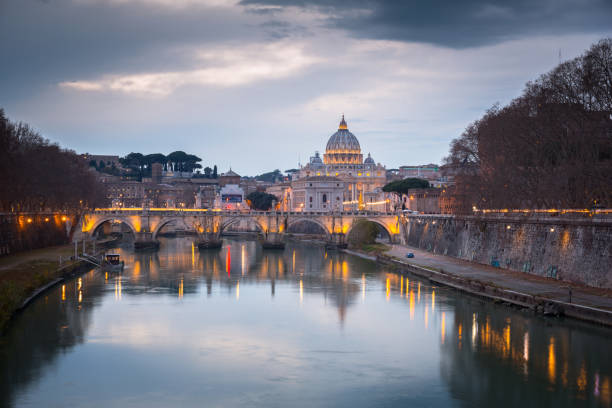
(196, 212)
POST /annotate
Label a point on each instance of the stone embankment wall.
(574, 249)
(25, 231)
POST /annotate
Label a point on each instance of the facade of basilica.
(357, 181)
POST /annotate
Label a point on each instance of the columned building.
(318, 194)
(362, 180)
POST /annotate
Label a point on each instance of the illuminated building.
(318, 193)
(362, 180)
(283, 193)
(231, 197)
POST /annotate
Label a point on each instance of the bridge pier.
(273, 240)
(336, 240)
(145, 241)
(209, 240)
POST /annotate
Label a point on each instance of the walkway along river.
(241, 326)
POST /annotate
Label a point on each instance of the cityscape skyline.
(212, 77)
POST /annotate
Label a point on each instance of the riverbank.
(546, 296)
(25, 275)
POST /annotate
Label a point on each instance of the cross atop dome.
(342, 124)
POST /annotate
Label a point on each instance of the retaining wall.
(575, 249)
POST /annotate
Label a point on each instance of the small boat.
(113, 263)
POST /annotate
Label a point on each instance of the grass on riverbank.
(17, 284)
(22, 273)
(375, 249)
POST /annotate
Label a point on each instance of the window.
(324, 198)
(310, 199)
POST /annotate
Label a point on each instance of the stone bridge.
(146, 223)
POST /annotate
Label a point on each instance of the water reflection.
(522, 360)
(192, 323)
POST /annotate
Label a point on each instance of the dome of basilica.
(316, 162)
(343, 147)
(369, 160)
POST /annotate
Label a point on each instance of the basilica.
(342, 180)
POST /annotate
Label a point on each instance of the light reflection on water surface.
(299, 327)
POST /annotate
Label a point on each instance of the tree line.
(139, 165)
(37, 175)
(400, 187)
(551, 147)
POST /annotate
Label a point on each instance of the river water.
(242, 326)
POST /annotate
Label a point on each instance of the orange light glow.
(552, 361)
(433, 300)
(363, 287)
(301, 291)
(388, 288)
(443, 328)
(412, 305)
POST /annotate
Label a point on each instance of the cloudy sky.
(261, 84)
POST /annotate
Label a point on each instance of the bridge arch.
(167, 220)
(103, 220)
(232, 220)
(295, 221)
(380, 224)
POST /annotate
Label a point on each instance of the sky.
(261, 84)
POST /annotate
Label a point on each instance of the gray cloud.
(458, 24)
(212, 76)
(59, 40)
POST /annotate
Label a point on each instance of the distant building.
(428, 172)
(156, 173)
(230, 177)
(393, 175)
(318, 193)
(125, 194)
(422, 200)
(248, 185)
(282, 191)
(231, 197)
(205, 197)
(362, 179)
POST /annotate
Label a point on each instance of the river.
(305, 327)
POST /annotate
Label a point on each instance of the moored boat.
(113, 263)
